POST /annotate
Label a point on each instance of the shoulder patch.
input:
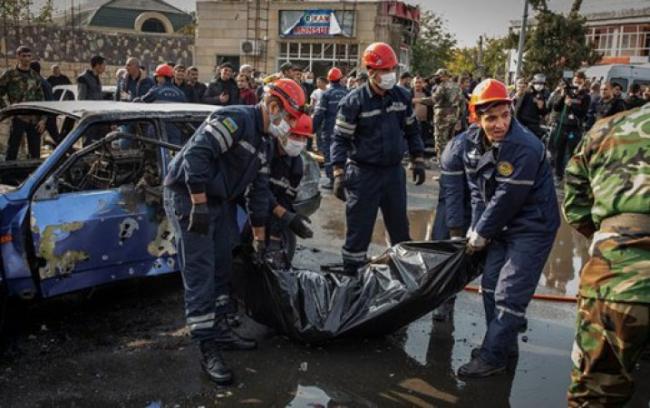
(230, 124)
(505, 168)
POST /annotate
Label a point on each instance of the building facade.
(622, 36)
(314, 34)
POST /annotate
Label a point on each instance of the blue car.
(89, 210)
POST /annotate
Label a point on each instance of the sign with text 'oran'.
(316, 23)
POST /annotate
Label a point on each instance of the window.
(233, 59)
(153, 25)
(319, 57)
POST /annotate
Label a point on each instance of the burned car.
(89, 210)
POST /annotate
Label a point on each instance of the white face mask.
(309, 81)
(387, 81)
(281, 130)
(293, 147)
(538, 87)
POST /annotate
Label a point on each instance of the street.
(126, 345)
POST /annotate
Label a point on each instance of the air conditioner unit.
(250, 47)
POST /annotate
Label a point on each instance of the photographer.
(570, 105)
(530, 107)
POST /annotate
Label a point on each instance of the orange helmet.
(291, 95)
(303, 126)
(334, 74)
(487, 91)
(164, 70)
(379, 55)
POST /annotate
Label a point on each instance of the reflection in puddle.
(560, 275)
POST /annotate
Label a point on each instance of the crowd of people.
(497, 190)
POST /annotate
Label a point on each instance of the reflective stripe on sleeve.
(515, 182)
(396, 107)
(218, 136)
(510, 311)
(247, 146)
(354, 256)
(452, 173)
(225, 132)
(370, 114)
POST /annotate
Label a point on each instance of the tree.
(463, 60)
(433, 48)
(495, 55)
(557, 42)
(45, 13)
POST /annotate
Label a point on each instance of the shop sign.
(320, 22)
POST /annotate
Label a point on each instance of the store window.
(319, 57)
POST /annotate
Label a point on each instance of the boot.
(228, 339)
(478, 368)
(512, 354)
(233, 320)
(213, 364)
(328, 185)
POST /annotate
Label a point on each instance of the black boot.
(228, 339)
(478, 368)
(233, 320)
(512, 354)
(213, 364)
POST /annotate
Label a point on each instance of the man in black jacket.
(570, 105)
(530, 108)
(223, 89)
(89, 86)
(192, 82)
(634, 99)
(609, 104)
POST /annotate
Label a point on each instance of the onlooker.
(57, 78)
(179, 76)
(246, 94)
(308, 83)
(617, 90)
(423, 113)
(530, 107)
(21, 84)
(634, 99)
(135, 83)
(50, 122)
(405, 80)
(609, 104)
(646, 93)
(89, 86)
(314, 98)
(197, 87)
(362, 78)
(249, 71)
(223, 89)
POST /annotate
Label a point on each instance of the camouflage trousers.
(442, 134)
(610, 338)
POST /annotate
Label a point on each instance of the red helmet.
(303, 126)
(379, 55)
(291, 95)
(334, 74)
(164, 70)
(487, 91)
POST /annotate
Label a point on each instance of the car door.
(98, 218)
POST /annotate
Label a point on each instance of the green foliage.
(557, 42)
(433, 48)
(495, 55)
(463, 60)
(45, 13)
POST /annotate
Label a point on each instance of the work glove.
(298, 224)
(475, 242)
(339, 187)
(199, 219)
(417, 169)
(259, 251)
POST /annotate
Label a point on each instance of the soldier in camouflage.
(23, 84)
(447, 101)
(607, 196)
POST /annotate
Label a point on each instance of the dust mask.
(387, 81)
(538, 87)
(293, 147)
(281, 130)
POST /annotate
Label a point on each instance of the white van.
(625, 75)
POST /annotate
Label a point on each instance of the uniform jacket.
(20, 86)
(511, 184)
(286, 173)
(454, 190)
(226, 155)
(89, 87)
(375, 130)
(219, 86)
(327, 108)
(608, 176)
(163, 93)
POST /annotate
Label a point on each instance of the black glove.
(339, 187)
(298, 224)
(259, 250)
(417, 168)
(199, 219)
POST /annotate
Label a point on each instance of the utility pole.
(522, 40)
(479, 57)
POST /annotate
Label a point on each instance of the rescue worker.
(325, 115)
(447, 100)
(607, 198)
(454, 211)
(226, 158)
(286, 173)
(515, 217)
(373, 127)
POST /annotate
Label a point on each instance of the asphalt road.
(126, 346)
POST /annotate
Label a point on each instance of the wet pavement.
(126, 345)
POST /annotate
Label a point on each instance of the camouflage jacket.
(609, 175)
(448, 99)
(19, 86)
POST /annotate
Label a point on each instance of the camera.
(569, 89)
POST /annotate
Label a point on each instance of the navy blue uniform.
(166, 93)
(325, 115)
(226, 158)
(454, 210)
(514, 206)
(286, 174)
(372, 133)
